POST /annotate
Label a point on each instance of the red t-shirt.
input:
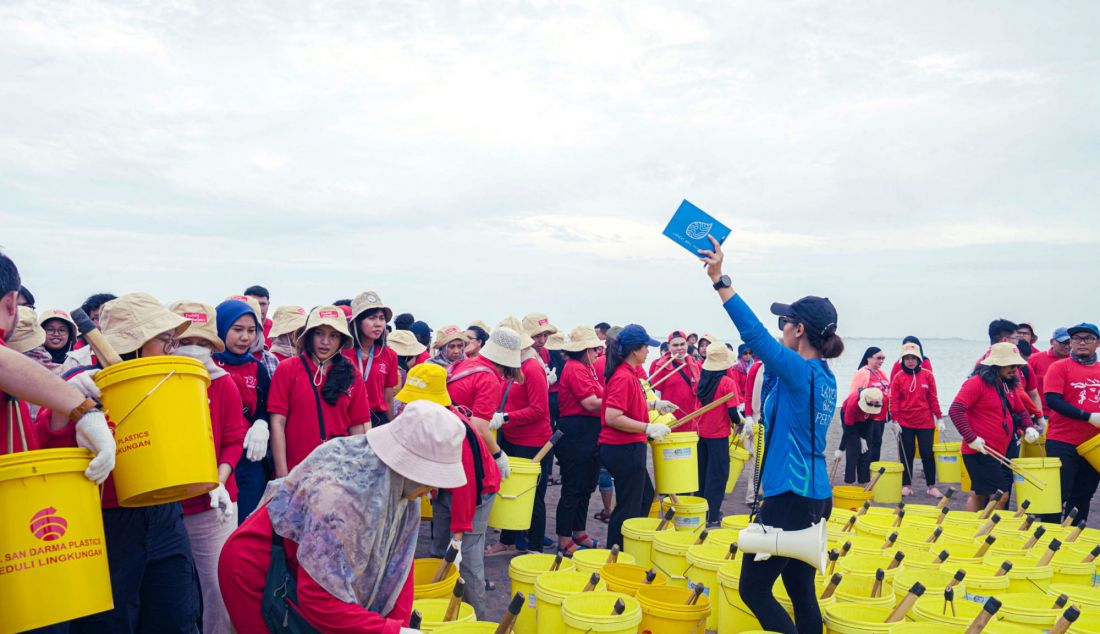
(680, 391)
(624, 392)
(245, 376)
(464, 498)
(544, 354)
(420, 358)
(986, 413)
(476, 385)
(578, 381)
(267, 332)
(914, 401)
(382, 374)
(292, 396)
(852, 413)
(716, 422)
(528, 408)
(599, 366)
(8, 407)
(750, 381)
(1039, 363)
(1079, 385)
(864, 378)
(242, 571)
(228, 426)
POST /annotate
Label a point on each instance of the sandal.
(500, 549)
(490, 586)
(580, 540)
(603, 516)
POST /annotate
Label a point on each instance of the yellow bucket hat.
(27, 335)
(425, 382)
(204, 322)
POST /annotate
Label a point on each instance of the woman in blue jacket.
(798, 409)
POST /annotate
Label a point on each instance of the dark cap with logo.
(817, 314)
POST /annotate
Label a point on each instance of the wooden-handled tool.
(1076, 532)
(934, 536)
(874, 480)
(901, 516)
(557, 561)
(650, 575)
(696, 592)
(718, 402)
(660, 369)
(896, 561)
(960, 574)
(1035, 537)
(1070, 518)
(993, 500)
(548, 446)
(942, 557)
(1060, 602)
(833, 583)
(906, 604)
(1004, 569)
(613, 556)
(946, 497)
(949, 600)
(1089, 558)
(619, 608)
(899, 508)
(593, 581)
(849, 524)
(1022, 509)
(834, 556)
(1066, 620)
(989, 525)
(702, 537)
(414, 620)
(456, 600)
(876, 589)
(514, 606)
(863, 509)
(1050, 551)
(845, 548)
(985, 546)
(91, 333)
(669, 514)
(992, 605)
(445, 565)
(943, 515)
(733, 551)
(890, 539)
(1028, 521)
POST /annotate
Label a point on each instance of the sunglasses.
(783, 321)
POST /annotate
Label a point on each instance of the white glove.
(409, 630)
(255, 440)
(457, 545)
(663, 407)
(219, 500)
(552, 376)
(85, 382)
(1095, 419)
(749, 423)
(657, 431)
(978, 444)
(92, 433)
(940, 425)
(895, 427)
(863, 447)
(746, 440)
(497, 421)
(502, 464)
(838, 454)
(1031, 435)
(1041, 423)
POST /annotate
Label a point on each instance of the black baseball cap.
(816, 313)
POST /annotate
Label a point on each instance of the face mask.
(203, 356)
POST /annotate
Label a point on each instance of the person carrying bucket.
(318, 394)
(714, 428)
(377, 364)
(915, 407)
(870, 374)
(148, 550)
(580, 398)
(460, 514)
(288, 320)
(798, 410)
(342, 527)
(988, 411)
(857, 414)
(678, 381)
(211, 518)
(1072, 390)
(449, 346)
(523, 434)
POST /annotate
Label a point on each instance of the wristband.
(79, 411)
(497, 454)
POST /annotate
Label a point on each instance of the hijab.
(870, 352)
(229, 312)
(708, 385)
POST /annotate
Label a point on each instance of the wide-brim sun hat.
(203, 322)
(287, 319)
(446, 335)
(56, 313)
(134, 319)
(404, 344)
(252, 303)
(327, 315)
(582, 338)
(368, 300)
(911, 350)
(555, 341)
(427, 381)
(867, 396)
(719, 357)
(1004, 354)
(503, 347)
(480, 324)
(424, 444)
(525, 340)
(28, 334)
(538, 323)
(709, 337)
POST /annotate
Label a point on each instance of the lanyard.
(370, 361)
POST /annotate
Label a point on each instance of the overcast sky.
(929, 166)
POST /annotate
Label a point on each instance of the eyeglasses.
(167, 340)
(880, 357)
(783, 321)
(56, 331)
(1083, 339)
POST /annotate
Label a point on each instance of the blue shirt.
(791, 463)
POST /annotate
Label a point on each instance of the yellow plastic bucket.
(982, 583)
(722, 537)
(948, 461)
(1090, 451)
(592, 560)
(1046, 470)
(929, 609)
(1085, 595)
(704, 561)
(1068, 568)
(515, 502)
(1077, 552)
(914, 627)
(638, 535)
(477, 627)
(162, 415)
(1026, 577)
(964, 476)
(853, 566)
(888, 488)
(432, 612)
(550, 590)
(691, 512)
(426, 509)
(524, 570)
(847, 618)
(867, 545)
(592, 612)
(738, 458)
(857, 589)
(628, 578)
(670, 555)
(1087, 623)
(1027, 609)
(676, 462)
(733, 615)
(779, 591)
(934, 582)
(926, 560)
(664, 611)
(735, 522)
(1004, 627)
(849, 498)
(51, 540)
(423, 586)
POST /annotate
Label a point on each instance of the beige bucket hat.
(136, 318)
(252, 303)
(503, 347)
(366, 301)
(719, 357)
(537, 324)
(525, 340)
(404, 343)
(582, 338)
(424, 444)
(444, 336)
(911, 350)
(326, 315)
(287, 319)
(57, 313)
(1004, 354)
(555, 341)
(480, 324)
(870, 400)
(27, 335)
(203, 321)
(710, 338)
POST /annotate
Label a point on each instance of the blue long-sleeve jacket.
(791, 464)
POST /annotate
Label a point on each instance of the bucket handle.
(726, 596)
(667, 573)
(518, 495)
(144, 398)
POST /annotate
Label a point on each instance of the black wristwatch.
(723, 282)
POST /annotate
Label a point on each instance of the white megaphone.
(808, 545)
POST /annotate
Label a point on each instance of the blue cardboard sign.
(690, 226)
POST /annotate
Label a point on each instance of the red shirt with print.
(987, 414)
(528, 408)
(246, 377)
(228, 425)
(476, 385)
(680, 390)
(1079, 385)
(383, 373)
(292, 396)
(1039, 363)
(1028, 381)
(624, 392)
(578, 381)
(914, 400)
(716, 422)
(10, 407)
(464, 498)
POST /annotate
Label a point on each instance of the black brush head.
(944, 555)
(834, 555)
(990, 539)
(1096, 551)
(84, 323)
(516, 604)
(995, 519)
(917, 589)
(620, 606)
(949, 594)
(1054, 545)
(1006, 566)
(452, 552)
(460, 588)
(670, 513)
(880, 574)
(898, 556)
(960, 575)
(950, 492)
(1039, 531)
(836, 578)
(992, 605)
(556, 437)
(1071, 613)
(1025, 504)
(998, 495)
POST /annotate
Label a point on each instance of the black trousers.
(857, 463)
(714, 471)
(633, 488)
(874, 441)
(789, 512)
(923, 438)
(1079, 480)
(538, 515)
(578, 456)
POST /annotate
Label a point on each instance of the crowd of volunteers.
(331, 423)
